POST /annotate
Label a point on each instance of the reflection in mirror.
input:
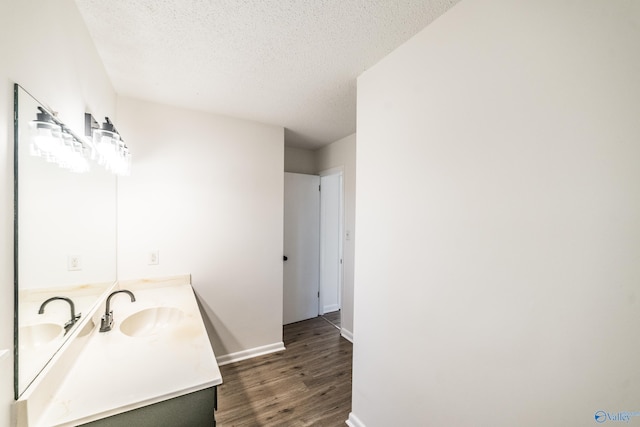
(65, 231)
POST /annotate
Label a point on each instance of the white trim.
(339, 172)
(250, 353)
(348, 335)
(354, 421)
(3, 354)
(330, 308)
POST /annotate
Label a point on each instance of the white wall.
(207, 192)
(498, 201)
(299, 160)
(342, 153)
(46, 48)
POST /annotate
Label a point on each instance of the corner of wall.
(346, 334)
(299, 160)
(354, 421)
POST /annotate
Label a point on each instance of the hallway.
(307, 384)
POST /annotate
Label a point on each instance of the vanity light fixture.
(110, 149)
(56, 143)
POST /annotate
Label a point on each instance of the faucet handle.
(106, 321)
(70, 323)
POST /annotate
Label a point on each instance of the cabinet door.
(195, 409)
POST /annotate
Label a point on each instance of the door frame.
(339, 170)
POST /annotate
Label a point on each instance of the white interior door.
(331, 242)
(301, 246)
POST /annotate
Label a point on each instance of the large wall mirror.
(65, 237)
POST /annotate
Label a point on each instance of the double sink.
(146, 322)
(157, 349)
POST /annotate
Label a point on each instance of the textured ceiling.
(291, 63)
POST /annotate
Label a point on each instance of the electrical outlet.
(73, 263)
(154, 257)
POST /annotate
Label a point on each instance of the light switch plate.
(74, 263)
(154, 257)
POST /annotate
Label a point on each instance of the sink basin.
(151, 321)
(39, 334)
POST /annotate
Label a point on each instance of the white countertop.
(32, 360)
(116, 373)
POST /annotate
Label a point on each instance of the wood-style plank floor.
(308, 384)
(334, 318)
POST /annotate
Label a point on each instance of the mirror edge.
(15, 241)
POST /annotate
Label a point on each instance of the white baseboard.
(248, 354)
(354, 421)
(330, 308)
(348, 335)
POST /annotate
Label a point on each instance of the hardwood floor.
(308, 384)
(334, 318)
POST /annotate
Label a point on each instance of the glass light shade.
(122, 162)
(112, 152)
(106, 143)
(79, 162)
(45, 138)
(51, 142)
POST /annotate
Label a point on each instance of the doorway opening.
(331, 245)
(313, 246)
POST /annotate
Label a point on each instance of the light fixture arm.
(45, 116)
(108, 125)
(89, 125)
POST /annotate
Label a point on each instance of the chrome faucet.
(107, 319)
(74, 317)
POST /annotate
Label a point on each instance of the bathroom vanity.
(149, 362)
(154, 367)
